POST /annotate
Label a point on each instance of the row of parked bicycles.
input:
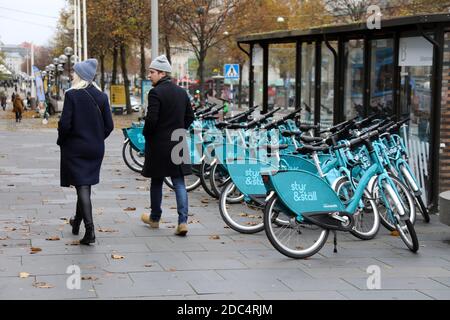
(298, 182)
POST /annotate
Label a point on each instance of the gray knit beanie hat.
(86, 69)
(161, 64)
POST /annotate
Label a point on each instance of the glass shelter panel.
(258, 75)
(354, 79)
(416, 59)
(282, 75)
(327, 86)
(308, 82)
(381, 76)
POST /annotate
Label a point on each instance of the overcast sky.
(29, 20)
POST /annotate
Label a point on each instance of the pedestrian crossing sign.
(232, 71)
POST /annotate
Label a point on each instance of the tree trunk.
(114, 70)
(201, 74)
(143, 66)
(167, 47)
(102, 70)
(123, 60)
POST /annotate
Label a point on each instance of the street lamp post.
(51, 70)
(155, 30)
(69, 53)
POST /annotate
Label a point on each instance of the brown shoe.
(182, 230)
(147, 220)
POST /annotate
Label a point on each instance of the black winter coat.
(169, 109)
(85, 123)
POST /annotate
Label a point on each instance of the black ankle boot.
(75, 223)
(89, 236)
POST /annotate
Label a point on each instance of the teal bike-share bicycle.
(237, 134)
(396, 155)
(313, 208)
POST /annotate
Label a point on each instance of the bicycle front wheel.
(295, 240)
(192, 182)
(405, 196)
(204, 178)
(408, 234)
(218, 179)
(241, 217)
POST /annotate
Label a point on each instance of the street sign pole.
(231, 73)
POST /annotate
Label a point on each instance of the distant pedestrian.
(18, 107)
(3, 99)
(85, 123)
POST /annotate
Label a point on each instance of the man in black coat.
(166, 152)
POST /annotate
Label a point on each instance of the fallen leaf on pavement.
(107, 230)
(89, 278)
(117, 257)
(226, 227)
(172, 269)
(243, 215)
(24, 275)
(129, 209)
(73, 243)
(205, 201)
(10, 229)
(173, 208)
(215, 237)
(170, 227)
(193, 222)
(121, 199)
(35, 250)
(395, 233)
(53, 239)
(5, 238)
(42, 285)
(148, 265)
(141, 179)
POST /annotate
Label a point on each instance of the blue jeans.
(181, 196)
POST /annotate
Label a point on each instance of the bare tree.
(350, 10)
(202, 24)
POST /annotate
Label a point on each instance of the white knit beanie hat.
(161, 64)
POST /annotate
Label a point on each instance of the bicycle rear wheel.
(295, 240)
(367, 219)
(127, 155)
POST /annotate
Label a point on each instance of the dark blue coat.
(169, 109)
(82, 130)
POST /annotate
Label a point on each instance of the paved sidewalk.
(156, 264)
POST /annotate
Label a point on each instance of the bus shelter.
(335, 73)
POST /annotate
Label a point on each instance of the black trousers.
(84, 206)
(18, 116)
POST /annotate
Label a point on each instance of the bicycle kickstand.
(335, 242)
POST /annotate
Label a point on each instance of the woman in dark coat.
(85, 123)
